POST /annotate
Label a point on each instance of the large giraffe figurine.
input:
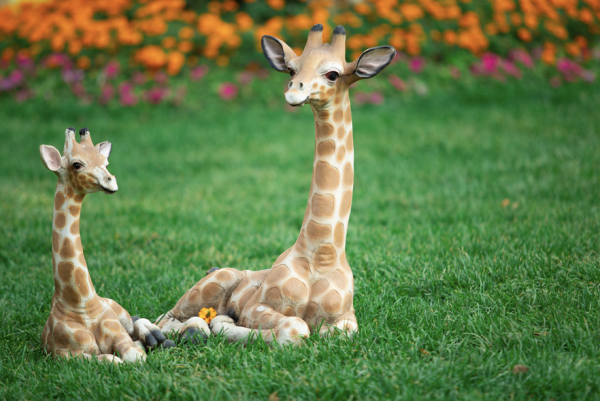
(310, 286)
(81, 323)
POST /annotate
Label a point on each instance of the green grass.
(452, 288)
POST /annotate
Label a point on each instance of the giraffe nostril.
(301, 85)
(290, 85)
(109, 178)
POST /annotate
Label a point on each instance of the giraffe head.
(83, 165)
(321, 72)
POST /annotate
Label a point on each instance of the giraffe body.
(310, 286)
(81, 323)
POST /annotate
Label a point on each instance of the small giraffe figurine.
(81, 323)
(310, 286)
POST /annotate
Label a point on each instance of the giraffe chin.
(107, 191)
(299, 104)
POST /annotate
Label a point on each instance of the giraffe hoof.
(211, 270)
(194, 336)
(168, 344)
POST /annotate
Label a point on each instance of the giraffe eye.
(332, 76)
(77, 165)
(292, 72)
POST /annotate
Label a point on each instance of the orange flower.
(276, 4)
(362, 8)
(169, 42)
(450, 37)
(524, 34)
(411, 11)
(186, 33)
(185, 46)
(243, 21)
(83, 62)
(207, 314)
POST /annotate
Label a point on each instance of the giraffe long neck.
(73, 285)
(322, 239)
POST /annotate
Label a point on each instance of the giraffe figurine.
(81, 323)
(310, 286)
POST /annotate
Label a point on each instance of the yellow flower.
(207, 314)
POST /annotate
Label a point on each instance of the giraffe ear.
(50, 157)
(277, 53)
(104, 148)
(373, 60)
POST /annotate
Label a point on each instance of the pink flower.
(161, 78)
(138, 78)
(569, 69)
(155, 95)
(455, 72)
(377, 98)
(490, 62)
(107, 93)
(128, 99)
(111, 69)
(588, 76)
(511, 69)
(417, 64)
(70, 76)
(125, 87)
(398, 82)
(245, 78)
(522, 57)
(228, 91)
(23, 94)
(198, 73)
(361, 97)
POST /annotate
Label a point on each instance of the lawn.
(473, 239)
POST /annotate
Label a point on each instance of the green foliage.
(452, 288)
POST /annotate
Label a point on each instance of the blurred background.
(127, 52)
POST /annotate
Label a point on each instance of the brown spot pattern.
(277, 274)
(78, 245)
(347, 116)
(350, 142)
(319, 287)
(301, 242)
(81, 280)
(327, 176)
(346, 203)
(70, 295)
(81, 260)
(337, 116)
(60, 220)
(311, 309)
(322, 205)
(59, 200)
(338, 235)
(65, 269)
(67, 250)
(324, 129)
(224, 276)
(341, 132)
(341, 154)
(93, 307)
(318, 232)
(246, 296)
(326, 148)
(324, 258)
(332, 302)
(82, 337)
(61, 336)
(294, 290)
(211, 292)
(55, 241)
(74, 210)
(75, 228)
(339, 279)
(301, 267)
(274, 296)
(289, 311)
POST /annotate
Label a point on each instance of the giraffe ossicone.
(81, 323)
(310, 286)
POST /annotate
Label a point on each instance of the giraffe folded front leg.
(194, 330)
(150, 334)
(68, 354)
(346, 324)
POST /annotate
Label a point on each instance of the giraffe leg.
(127, 349)
(67, 354)
(212, 291)
(280, 328)
(347, 324)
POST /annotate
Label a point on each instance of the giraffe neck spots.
(323, 236)
(73, 285)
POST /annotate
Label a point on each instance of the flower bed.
(129, 50)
